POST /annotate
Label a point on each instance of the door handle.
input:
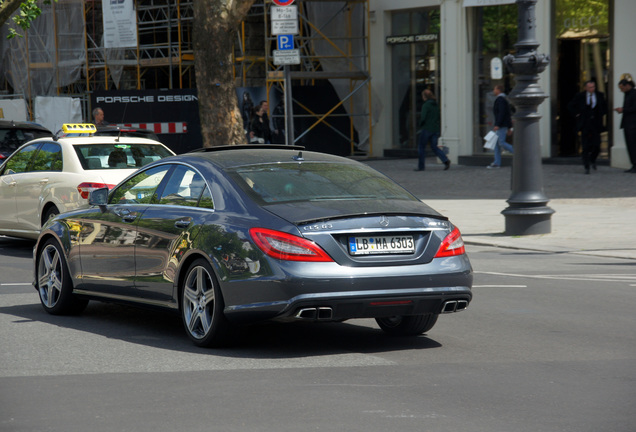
(129, 218)
(44, 181)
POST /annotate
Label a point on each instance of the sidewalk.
(594, 214)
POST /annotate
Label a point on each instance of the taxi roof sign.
(79, 128)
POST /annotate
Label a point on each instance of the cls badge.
(384, 221)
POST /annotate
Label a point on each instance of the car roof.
(11, 124)
(243, 155)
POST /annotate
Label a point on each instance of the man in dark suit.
(628, 122)
(589, 107)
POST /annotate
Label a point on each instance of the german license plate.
(381, 245)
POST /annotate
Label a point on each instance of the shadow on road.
(15, 247)
(267, 340)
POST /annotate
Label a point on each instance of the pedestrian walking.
(628, 122)
(429, 132)
(589, 107)
(503, 122)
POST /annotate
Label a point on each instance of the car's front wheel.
(407, 325)
(54, 282)
(202, 306)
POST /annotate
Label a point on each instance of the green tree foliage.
(29, 11)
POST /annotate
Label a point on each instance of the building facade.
(456, 48)
(364, 64)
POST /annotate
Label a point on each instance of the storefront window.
(414, 42)
(497, 34)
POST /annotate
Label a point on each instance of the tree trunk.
(216, 23)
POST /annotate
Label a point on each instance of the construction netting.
(50, 55)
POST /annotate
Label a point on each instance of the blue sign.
(285, 42)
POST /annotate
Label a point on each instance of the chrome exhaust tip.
(454, 306)
(315, 313)
(307, 313)
(449, 306)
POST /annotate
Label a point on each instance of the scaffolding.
(333, 42)
(163, 58)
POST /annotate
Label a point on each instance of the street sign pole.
(284, 20)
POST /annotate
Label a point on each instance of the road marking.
(582, 277)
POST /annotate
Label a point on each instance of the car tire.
(407, 325)
(54, 283)
(202, 307)
(51, 212)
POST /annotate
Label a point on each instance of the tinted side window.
(49, 158)
(140, 189)
(185, 188)
(19, 162)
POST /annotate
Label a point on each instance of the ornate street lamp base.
(528, 220)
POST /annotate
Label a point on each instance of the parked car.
(48, 176)
(241, 234)
(13, 134)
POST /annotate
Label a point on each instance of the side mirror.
(98, 197)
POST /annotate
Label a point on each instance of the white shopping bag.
(490, 140)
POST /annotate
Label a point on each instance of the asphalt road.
(547, 345)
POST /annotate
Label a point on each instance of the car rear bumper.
(347, 305)
(398, 291)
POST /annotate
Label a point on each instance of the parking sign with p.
(285, 42)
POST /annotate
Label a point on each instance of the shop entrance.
(583, 53)
(580, 60)
(415, 67)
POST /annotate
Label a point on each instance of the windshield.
(118, 156)
(287, 182)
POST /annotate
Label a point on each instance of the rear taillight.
(85, 189)
(452, 245)
(287, 247)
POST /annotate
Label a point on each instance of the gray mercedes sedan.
(232, 235)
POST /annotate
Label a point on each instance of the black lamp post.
(528, 212)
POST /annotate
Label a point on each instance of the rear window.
(309, 181)
(118, 156)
